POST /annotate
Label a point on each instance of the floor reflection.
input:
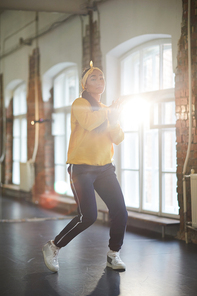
(39, 284)
(108, 285)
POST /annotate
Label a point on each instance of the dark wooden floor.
(155, 267)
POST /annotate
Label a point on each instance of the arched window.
(66, 90)
(19, 131)
(148, 153)
(147, 68)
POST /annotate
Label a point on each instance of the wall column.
(182, 110)
(34, 73)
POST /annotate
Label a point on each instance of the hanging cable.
(190, 124)
(36, 96)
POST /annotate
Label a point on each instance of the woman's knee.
(90, 218)
(120, 215)
(126, 215)
(123, 215)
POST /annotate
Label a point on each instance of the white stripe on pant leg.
(78, 203)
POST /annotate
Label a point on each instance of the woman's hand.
(114, 112)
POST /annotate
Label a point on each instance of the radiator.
(193, 184)
(27, 175)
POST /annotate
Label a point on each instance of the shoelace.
(55, 253)
(114, 254)
(116, 257)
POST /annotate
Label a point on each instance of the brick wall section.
(1, 114)
(49, 146)
(31, 106)
(2, 167)
(96, 46)
(182, 109)
(96, 51)
(39, 186)
(9, 143)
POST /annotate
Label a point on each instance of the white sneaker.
(114, 261)
(50, 252)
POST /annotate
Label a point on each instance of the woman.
(94, 129)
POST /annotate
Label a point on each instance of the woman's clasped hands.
(114, 111)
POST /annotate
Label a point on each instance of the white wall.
(125, 19)
(120, 21)
(61, 45)
(127, 23)
(64, 44)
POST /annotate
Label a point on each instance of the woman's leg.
(108, 188)
(83, 190)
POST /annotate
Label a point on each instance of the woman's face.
(95, 84)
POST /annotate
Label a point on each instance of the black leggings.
(84, 180)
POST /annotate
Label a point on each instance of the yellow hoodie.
(86, 145)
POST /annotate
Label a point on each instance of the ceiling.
(65, 6)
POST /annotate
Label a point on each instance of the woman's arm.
(116, 134)
(87, 118)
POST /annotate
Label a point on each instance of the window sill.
(63, 199)
(11, 186)
(142, 218)
(63, 204)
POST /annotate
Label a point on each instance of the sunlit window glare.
(134, 112)
(61, 187)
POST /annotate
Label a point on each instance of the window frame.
(66, 110)
(140, 48)
(160, 96)
(20, 117)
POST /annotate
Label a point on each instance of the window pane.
(68, 130)
(151, 171)
(59, 150)
(150, 79)
(59, 173)
(23, 102)
(151, 149)
(16, 173)
(58, 125)
(168, 78)
(168, 113)
(130, 151)
(59, 91)
(156, 114)
(19, 100)
(131, 115)
(169, 150)
(130, 187)
(69, 191)
(23, 157)
(70, 87)
(169, 195)
(16, 103)
(130, 74)
(16, 128)
(151, 190)
(23, 127)
(62, 184)
(16, 149)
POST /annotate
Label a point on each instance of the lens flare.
(61, 187)
(48, 201)
(135, 112)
